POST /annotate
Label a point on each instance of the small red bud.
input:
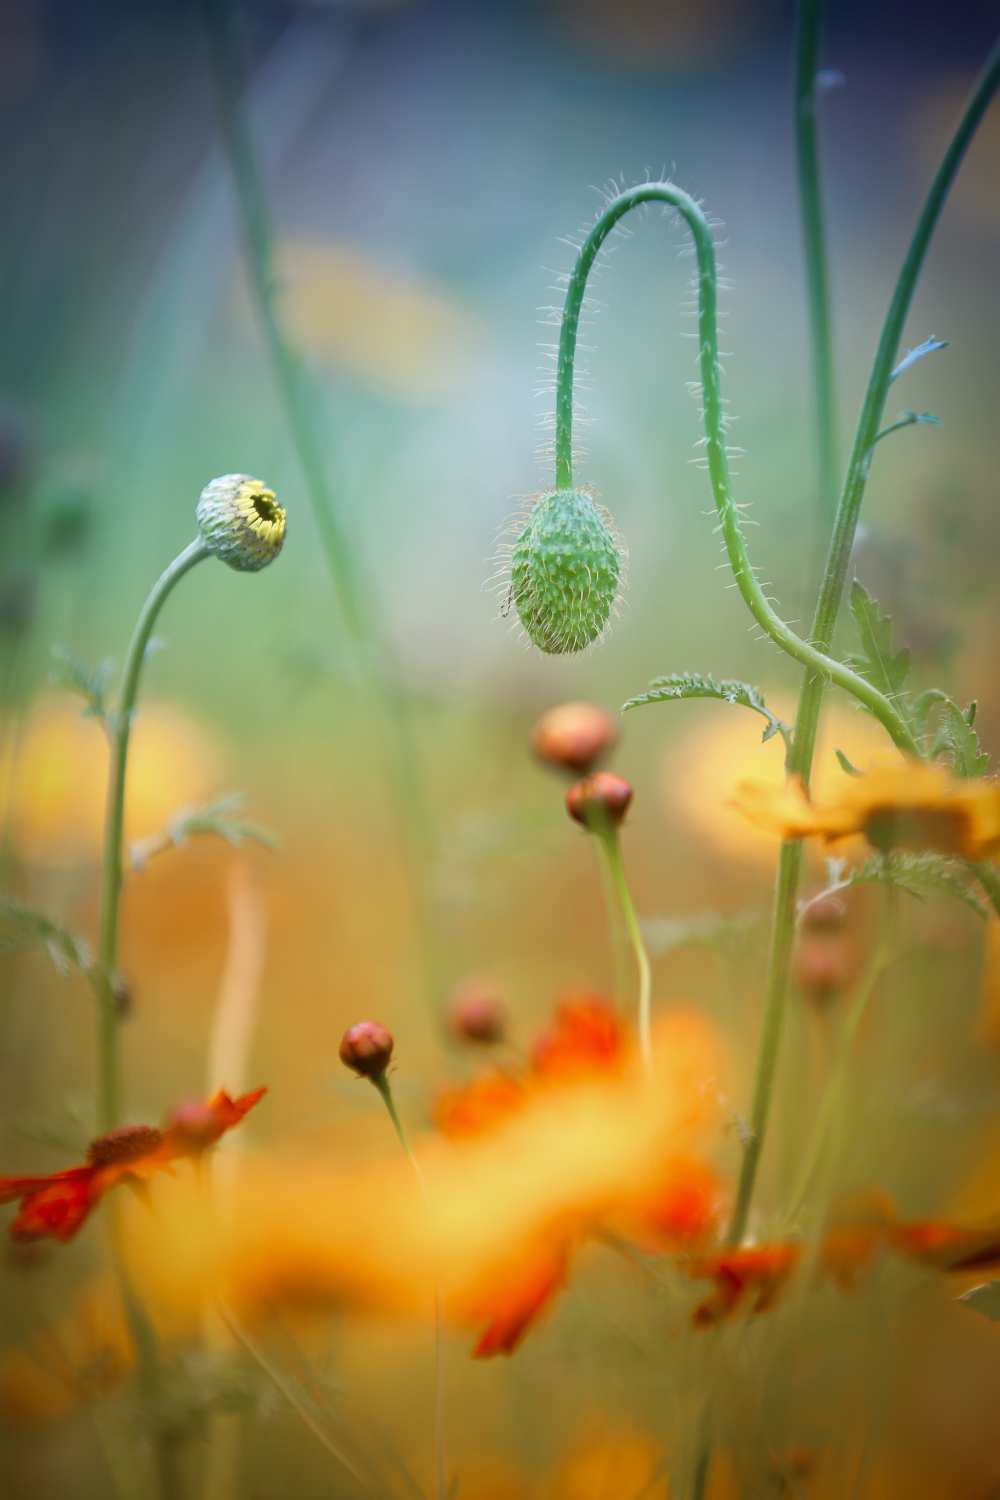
(825, 915)
(599, 799)
(366, 1048)
(193, 1126)
(824, 965)
(477, 1013)
(574, 736)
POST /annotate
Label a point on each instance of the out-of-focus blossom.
(574, 736)
(57, 787)
(911, 806)
(408, 338)
(81, 1355)
(605, 1460)
(55, 1206)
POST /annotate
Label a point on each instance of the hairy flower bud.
(599, 800)
(574, 736)
(477, 1012)
(565, 570)
(366, 1048)
(241, 521)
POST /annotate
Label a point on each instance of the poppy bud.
(825, 915)
(599, 800)
(565, 570)
(193, 1126)
(241, 522)
(366, 1048)
(477, 1013)
(574, 736)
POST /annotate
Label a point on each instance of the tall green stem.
(120, 730)
(827, 608)
(814, 246)
(715, 440)
(611, 854)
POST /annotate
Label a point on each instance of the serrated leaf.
(678, 685)
(30, 926)
(984, 1299)
(957, 738)
(878, 661)
(920, 875)
(214, 818)
(90, 682)
(911, 357)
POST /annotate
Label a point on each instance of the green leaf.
(214, 818)
(908, 419)
(726, 690)
(29, 926)
(846, 765)
(910, 358)
(878, 661)
(90, 682)
(920, 875)
(957, 739)
(984, 1299)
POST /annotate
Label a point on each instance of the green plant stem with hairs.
(730, 522)
(814, 247)
(441, 1492)
(350, 589)
(112, 870)
(611, 860)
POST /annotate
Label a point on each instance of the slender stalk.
(814, 247)
(827, 608)
(381, 1083)
(611, 855)
(120, 730)
(350, 588)
(829, 1108)
(730, 523)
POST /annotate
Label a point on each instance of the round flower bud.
(599, 800)
(241, 521)
(574, 736)
(565, 570)
(824, 965)
(366, 1048)
(193, 1126)
(477, 1013)
(825, 915)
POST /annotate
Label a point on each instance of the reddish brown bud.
(194, 1126)
(599, 800)
(825, 915)
(825, 964)
(366, 1048)
(477, 1012)
(574, 736)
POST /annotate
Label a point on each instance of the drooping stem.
(381, 1083)
(715, 440)
(814, 247)
(828, 606)
(611, 855)
(120, 730)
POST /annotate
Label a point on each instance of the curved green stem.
(607, 840)
(814, 245)
(827, 608)
(120, 729)
(715, 441)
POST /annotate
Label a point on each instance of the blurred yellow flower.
(81, 1355)
(405, 336)
(702, 766)
(606, 1462)
(908, 806)
(54, 793)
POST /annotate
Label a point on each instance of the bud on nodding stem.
(599, 801)
(477, 1013)
(366, 1048)
(565, 570)
(241, 522)
(574, 736)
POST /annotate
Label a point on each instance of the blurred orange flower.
(912, 806)
(56, 1206)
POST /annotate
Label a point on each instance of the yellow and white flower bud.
(241, 522)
